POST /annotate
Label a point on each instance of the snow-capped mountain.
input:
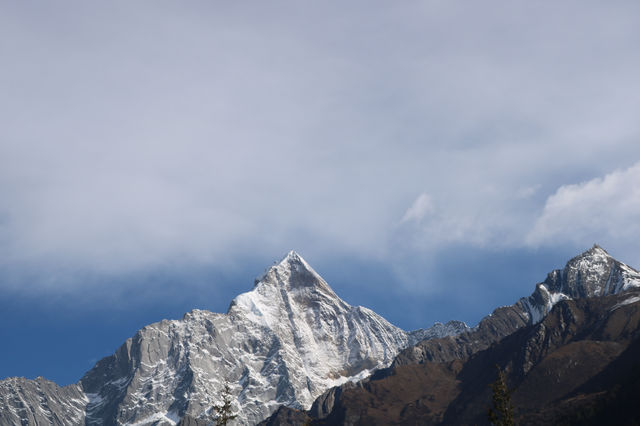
(590, 274)
(282, 343)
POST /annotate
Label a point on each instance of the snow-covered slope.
(283, 343)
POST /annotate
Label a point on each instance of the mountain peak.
(595, 253)
(290, 282)
(292, 255)
(293, 259)
(292, 271)
(586, 273)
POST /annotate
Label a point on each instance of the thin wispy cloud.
(422, 206)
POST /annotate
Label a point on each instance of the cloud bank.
(157, 135)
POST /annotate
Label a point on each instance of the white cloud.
(605, 210)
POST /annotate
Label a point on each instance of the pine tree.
(223, 411)
(502, 412)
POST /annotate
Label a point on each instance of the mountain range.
(291, 351)
(569, 352)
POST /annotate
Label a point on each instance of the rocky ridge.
(558, 366)
(576, 366)
(593, 273)
(590, 274)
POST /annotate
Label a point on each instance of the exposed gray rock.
(40, 402)
(438, 330)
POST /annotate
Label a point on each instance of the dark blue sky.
(432, 160)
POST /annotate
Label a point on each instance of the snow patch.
(170, 417)
(625, 302)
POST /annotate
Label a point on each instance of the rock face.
(283, 343)
(40, 402)
(570, 368)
